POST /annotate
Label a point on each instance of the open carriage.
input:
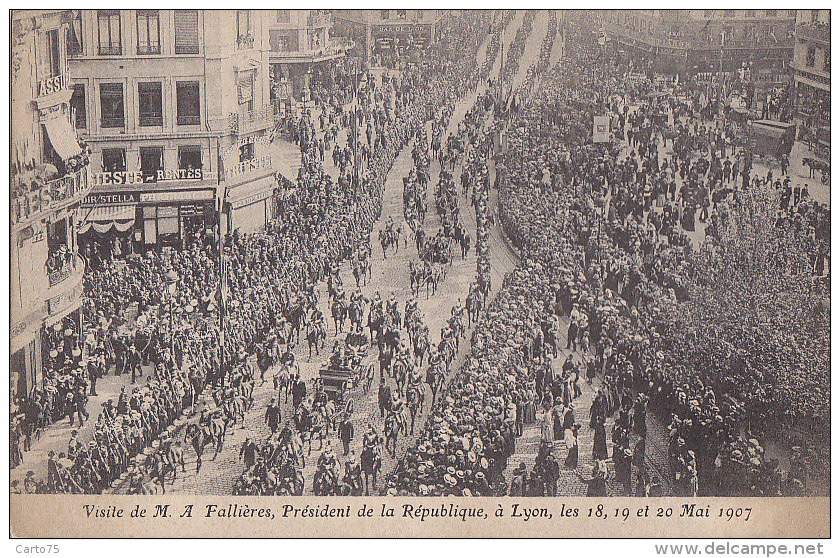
(346, 370)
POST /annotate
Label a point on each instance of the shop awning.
(102, 219)
(62, 137)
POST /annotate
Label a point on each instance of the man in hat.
(249, 452)
(273, 416)
(345, 431)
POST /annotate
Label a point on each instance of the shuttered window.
(186, 32)
(246, 88)
(188, 103)
(111, 105)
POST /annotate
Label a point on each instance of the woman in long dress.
(599, 445)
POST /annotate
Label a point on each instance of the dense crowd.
(607, 235)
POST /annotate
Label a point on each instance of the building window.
(791, 13)
(246, 152)
(815, 16)
(728, 13)
(708, 14)
(749, 13)
(186, 31)
(74, 35)
(113, 160)
(384, 14)
(827, 61)
(244, 38)
(77, 106)
(110, 43)
(771, 13)
(245, 84)
(810, 57)
(48, 55)
(189, 157)
(400, 14)
(151, 161)
(148, 32)
(189, 103)
(283, 16)
(419, 15)
(151, 104)
(111, 104)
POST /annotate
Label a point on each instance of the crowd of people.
(607, 235)
(627, 240)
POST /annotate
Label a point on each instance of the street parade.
(519, 259)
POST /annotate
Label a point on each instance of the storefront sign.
(111, 199)
(52, 85)
(192, 209)
(253, 198)
(177, 195)
(50, 195)
(138, 177)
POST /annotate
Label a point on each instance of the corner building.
(175, 107)
(49, 179)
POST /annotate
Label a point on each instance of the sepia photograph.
(396, 253)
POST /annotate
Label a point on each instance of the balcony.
(66, 295)
(245, 41)
(61, 273)
(819, 32)
(252, 121)
(318, 20)
(247, 170)
(35, 200)
(309, 55)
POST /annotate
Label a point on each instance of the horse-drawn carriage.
(345, 370)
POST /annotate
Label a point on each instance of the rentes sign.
(139, 177)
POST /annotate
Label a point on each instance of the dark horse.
(371, 463)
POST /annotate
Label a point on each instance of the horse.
(376, 319)
(366, 379)
(339, 314)
(310, 424)
(387, 239)
(173, 455)
(295, 317)
(361, 270)
(315, 335)
(394, 424)
(400, 370)
(472, 306)
(200, 436)
(416, 399)
(325, 482)
(356, 312)
(371, 462)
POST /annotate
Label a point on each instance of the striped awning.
(103, 218)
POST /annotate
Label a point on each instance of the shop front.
(147, 217)
(251, 205)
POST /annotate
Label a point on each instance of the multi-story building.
(303, 54)
(697, 41)
(388, 35)
(812, 74)
(48, 179)
(174, 104)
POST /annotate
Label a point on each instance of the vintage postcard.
(420, 273)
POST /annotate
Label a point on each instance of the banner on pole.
(600, 129)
